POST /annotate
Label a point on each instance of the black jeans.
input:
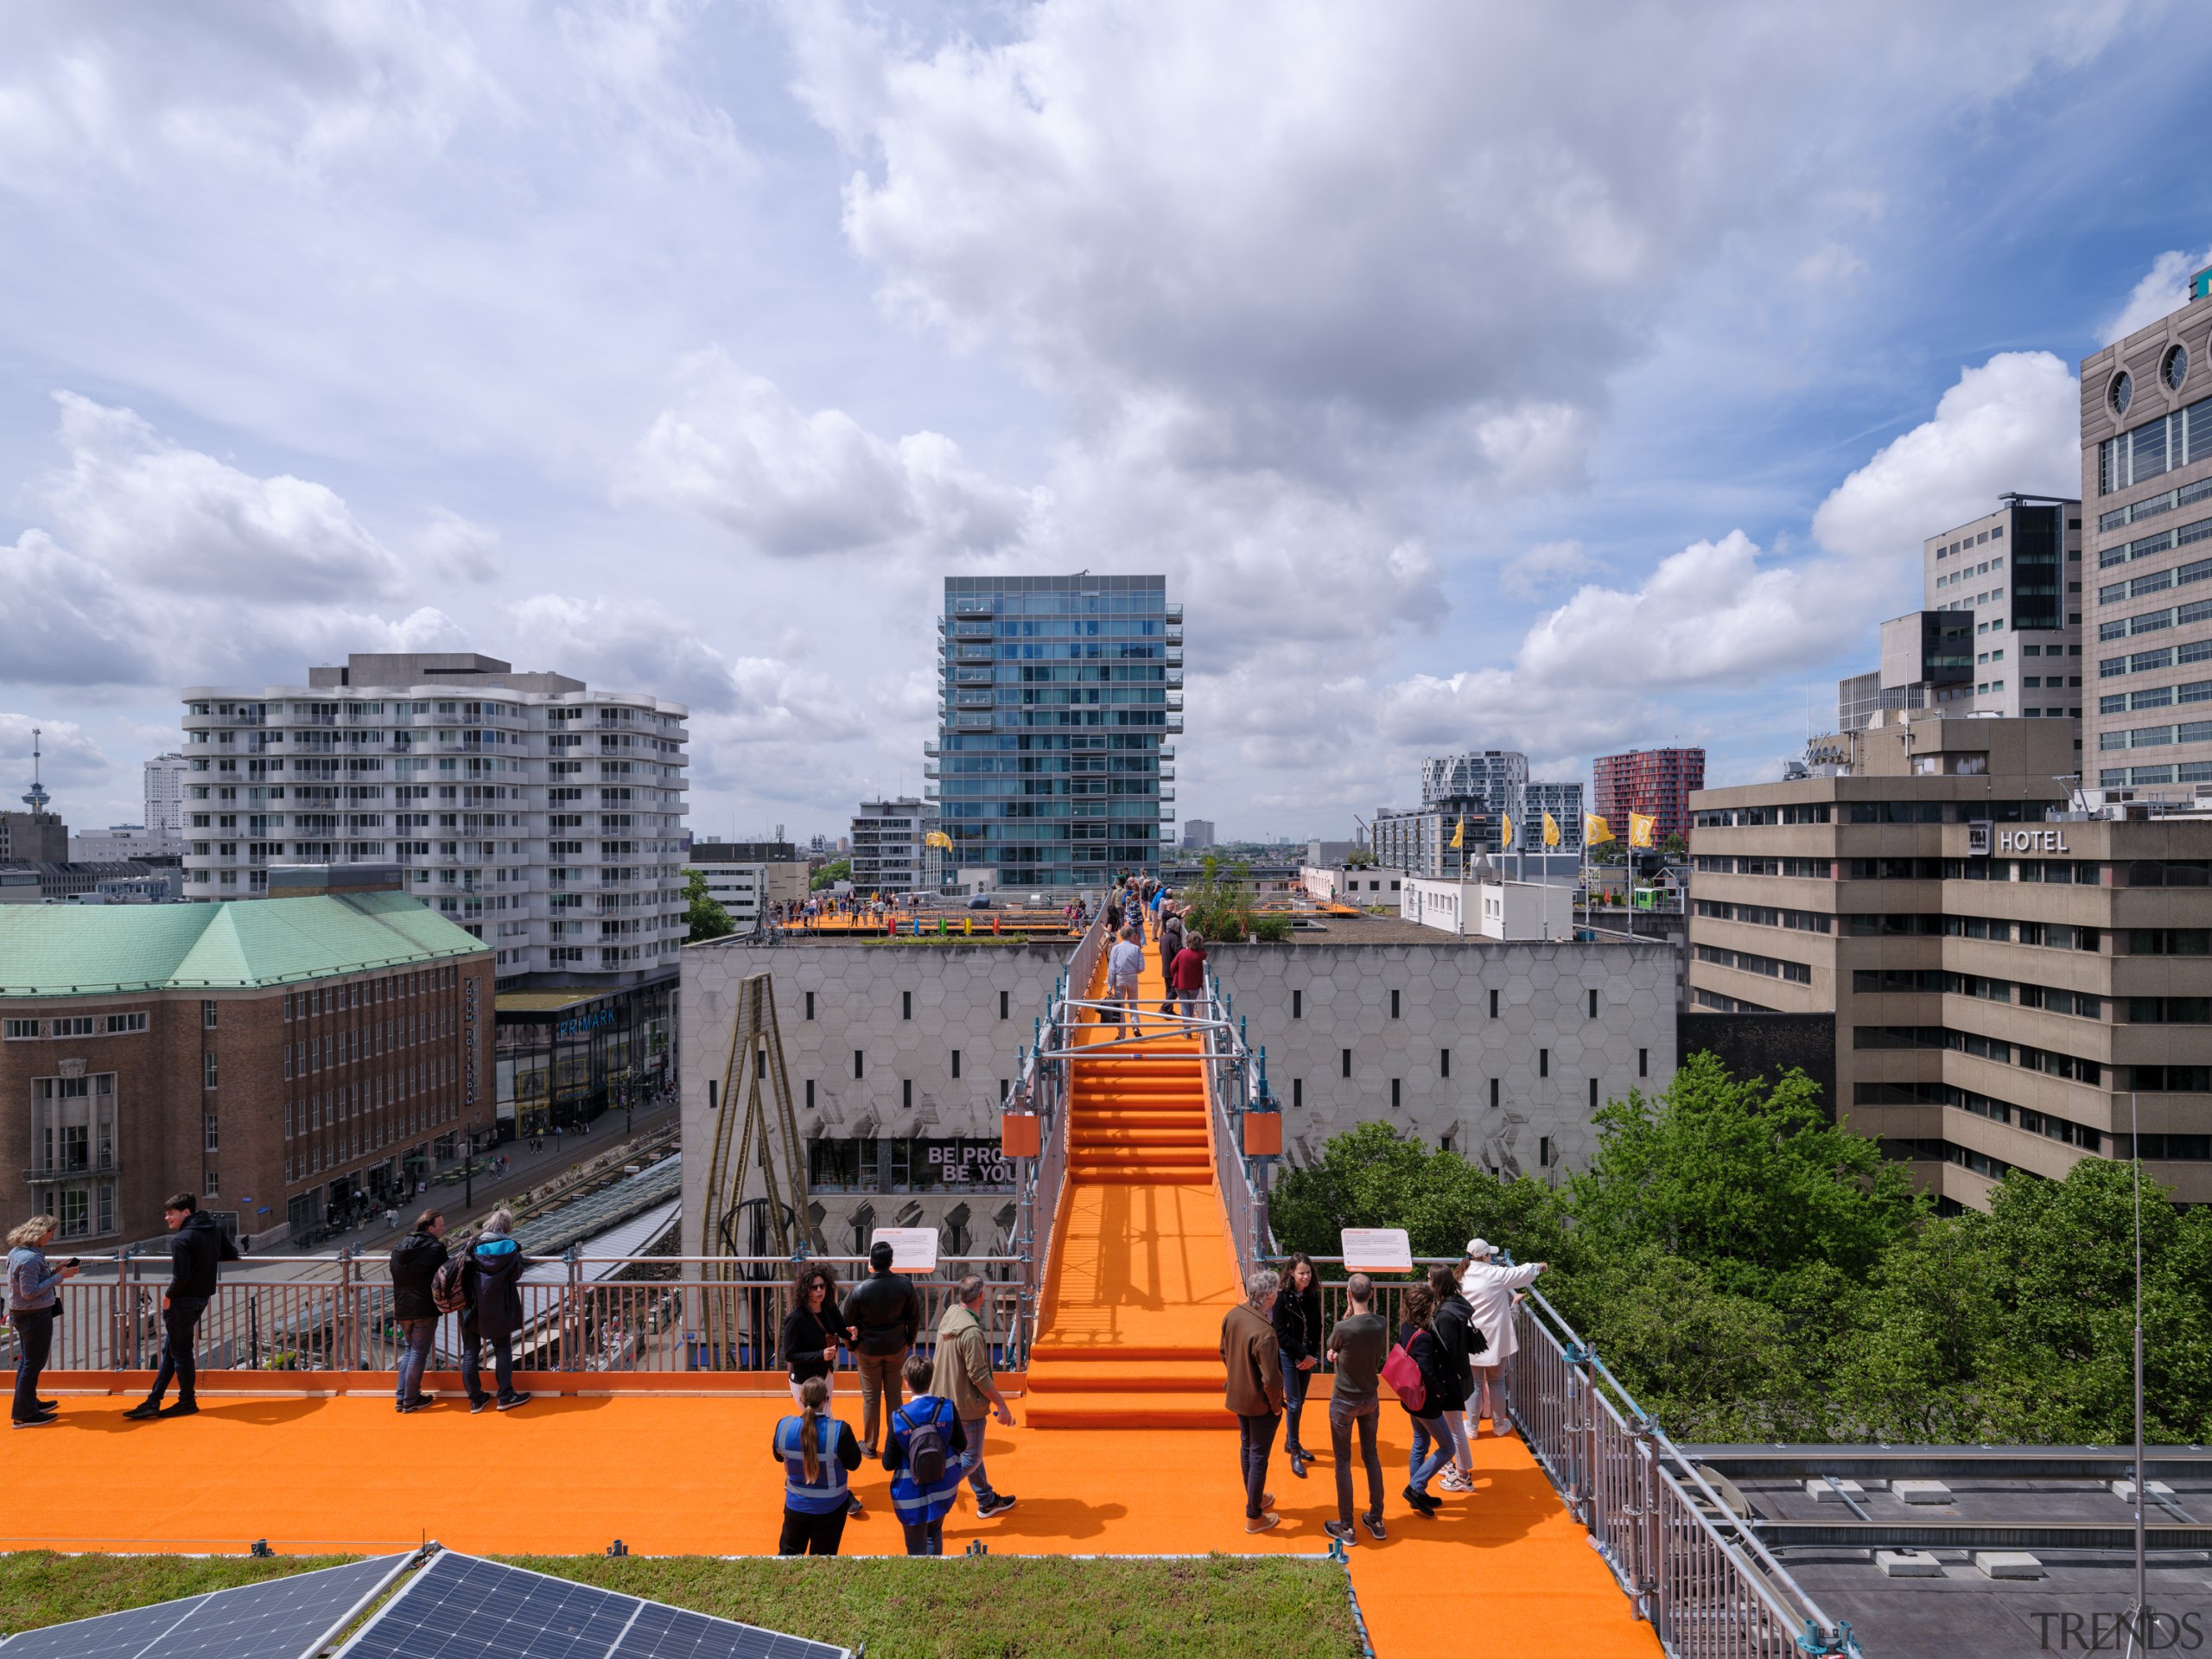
(1293, 1402)
(1342, 1418)
(472, 1368)
(179, 1323)
(1255, 1438)
(810, 1535)
(34, 1342)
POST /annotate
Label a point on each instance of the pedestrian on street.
(1298, 1338)
(1491, 1290)
(1252, 1364)
(923, 1449)
(1432, 1447)
(819, 1455)
(197, 1250)
(495, 1265)
(33, 1305)
(1357, 1344)
(415, 1263)
(882, 1316)
(962, 1374)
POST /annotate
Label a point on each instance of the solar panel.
(278, 1619)
(461, 1607)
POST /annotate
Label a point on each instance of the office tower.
(1056, 695)
(891, 849)
(1654, 782)
(165, 785)
(1198, 835)
(2013, 577)
(2147, 478)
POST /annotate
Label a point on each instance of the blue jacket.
(496, 1263)
(915, 1502)
(30, 1281)
(836, 1455)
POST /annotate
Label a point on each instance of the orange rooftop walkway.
(1125, 1362)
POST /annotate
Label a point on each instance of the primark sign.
(1984, 838)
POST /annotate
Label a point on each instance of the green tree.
(1375, 1176)
(1221, 908)
(837, 870)
(708, 918)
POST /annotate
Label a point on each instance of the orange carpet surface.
(1121, 1446)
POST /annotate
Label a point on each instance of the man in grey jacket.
(963, 1376)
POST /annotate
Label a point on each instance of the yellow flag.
(937, 838)
(1640, 826)
(1551, 831)
(1595, 829)
(1459, 835)
(1506, 835)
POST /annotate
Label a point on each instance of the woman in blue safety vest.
(818, 1454)
(923, 1500)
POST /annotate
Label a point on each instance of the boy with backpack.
(922, 1450)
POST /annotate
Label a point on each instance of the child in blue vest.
(818, 1453)
(925, 1432)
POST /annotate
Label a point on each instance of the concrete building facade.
(743, 876)
(165, 787)
(891, 850)
(317, 1055)
(1198, 835)
(2005, 994)
(2146, 481)
(1057, 695)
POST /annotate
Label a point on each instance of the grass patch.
(1007, 1606)
(40, 1587)
(1001, 1607)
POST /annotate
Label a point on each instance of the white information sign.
(913, 1249)
(1378, 1249)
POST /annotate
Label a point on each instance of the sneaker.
(1421, 1501)
(853, 1504)
(1340, 1531)
(38, 1421)
(1262, 1524)
(481, 1402)
(509, 1403)
(45, 1405)
(142, 1410)
(999, 1503)
(182, 1409)
(422, 1401)
(1452, 1481)
(1373, 1525)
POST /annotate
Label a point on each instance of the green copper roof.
(58, 950)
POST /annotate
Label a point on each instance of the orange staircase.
(1141, 1273)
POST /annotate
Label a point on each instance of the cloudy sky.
(1559, 377)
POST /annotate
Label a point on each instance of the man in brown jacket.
(1254, 1365)
(963, 1376)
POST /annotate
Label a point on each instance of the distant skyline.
(1555, 378)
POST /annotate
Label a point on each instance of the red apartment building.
(1656, 782)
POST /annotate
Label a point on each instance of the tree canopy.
(709, 919)
(1753, 1271)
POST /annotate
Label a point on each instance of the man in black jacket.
(882, 1317)
(415, 1263)
(198, 1248)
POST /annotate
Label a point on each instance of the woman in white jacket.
(1490, 1291)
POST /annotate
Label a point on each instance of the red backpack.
(1402, 1373)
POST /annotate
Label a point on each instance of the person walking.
(882, 1317)
(962, 1374)
(819, 1456)
(1357, 1344)
(198, 1247)
(415, 1263)
(923, 1448)
(1457, 1338)
(494, 1281)
(1252, 1364)
(1432, 1447)
(1124, 967)
(34, 1304)
(1187, 974)
(1491, 1290)
(1172, 930)
(1298, 1339)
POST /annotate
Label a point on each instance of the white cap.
(1479, 1247)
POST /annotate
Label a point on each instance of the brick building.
(286, 1060)
(1656, 782)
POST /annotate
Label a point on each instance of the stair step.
(1127, 1377)
(1168, 1411)
(1076, 1352)
(1109, 1138)
(1110, 1177)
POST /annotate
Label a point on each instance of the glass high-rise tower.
(1056, 698)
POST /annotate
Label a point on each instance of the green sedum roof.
(242, 944)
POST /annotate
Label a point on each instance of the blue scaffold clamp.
(1576, 1353)
(977, 1546)
(1336, 1552)
(1840, 1646)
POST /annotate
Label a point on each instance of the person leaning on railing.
(1490, 1291)
(34, 1304)
(415, 1263)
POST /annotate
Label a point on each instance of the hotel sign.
(2032, 841)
